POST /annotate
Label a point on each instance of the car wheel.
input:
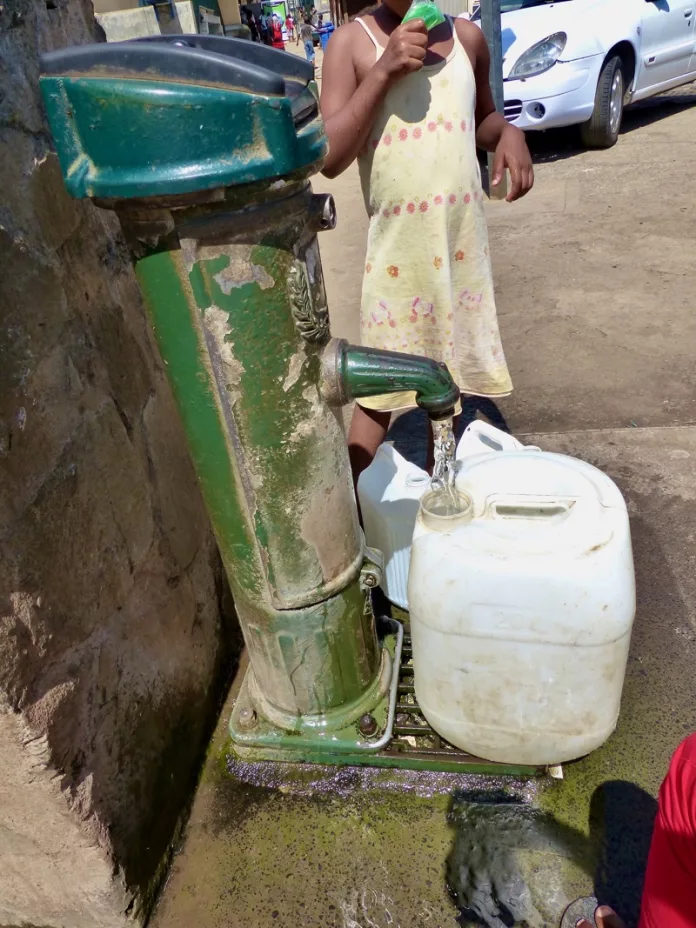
(602, 129)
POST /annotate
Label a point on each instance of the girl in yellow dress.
(412, 106)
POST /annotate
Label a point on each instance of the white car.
(569, 62)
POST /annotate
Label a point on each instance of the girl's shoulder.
(471, 37)
(352, 35)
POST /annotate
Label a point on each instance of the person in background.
(290, 26)
(247, 18)
(413, 106)
(277, 33)
(669, 892)
(304, 35)
(263, 27)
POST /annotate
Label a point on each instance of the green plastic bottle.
(426, 10)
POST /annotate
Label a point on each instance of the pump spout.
(351, 372)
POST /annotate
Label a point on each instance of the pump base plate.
(255, 738)
(409, 743)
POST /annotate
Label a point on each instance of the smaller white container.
(390, 490)
(480, 436)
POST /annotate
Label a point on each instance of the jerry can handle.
(538, 508)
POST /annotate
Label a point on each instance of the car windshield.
(508, 6)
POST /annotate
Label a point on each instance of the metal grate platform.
(413, 745)
(416, 745)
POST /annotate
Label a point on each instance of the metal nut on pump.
(372, 570)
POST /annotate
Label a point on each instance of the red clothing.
(277, 34)
(669, 894)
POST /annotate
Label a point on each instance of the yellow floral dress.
(428, 286)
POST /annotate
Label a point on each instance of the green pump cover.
(169, 115)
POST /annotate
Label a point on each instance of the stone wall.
(112, 646)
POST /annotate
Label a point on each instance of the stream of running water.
(444, 471)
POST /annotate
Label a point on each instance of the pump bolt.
(247, 717)
(368, 725)
(327, 211)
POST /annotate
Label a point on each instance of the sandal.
(581, 908)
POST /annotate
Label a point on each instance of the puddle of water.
(308, 780)
(504, 865)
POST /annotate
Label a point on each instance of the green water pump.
(204, 147)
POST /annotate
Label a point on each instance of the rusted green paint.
(166, 298)
(198, 137)
(368, 372)
(300, 492)
(336, 730)
(270, 453)
(307, 662)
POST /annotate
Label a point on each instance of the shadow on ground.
(501, 845)
(559, 144)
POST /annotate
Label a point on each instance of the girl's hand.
(405, 51)
(512, 153)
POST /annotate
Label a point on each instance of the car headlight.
(540, 57)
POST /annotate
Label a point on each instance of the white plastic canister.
(390, 490)
(522, 609)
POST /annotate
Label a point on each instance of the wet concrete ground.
(285, 847)
(598, 324)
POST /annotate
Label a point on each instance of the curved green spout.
(352, 372)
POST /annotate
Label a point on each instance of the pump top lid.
(207, 60)
(176, 114)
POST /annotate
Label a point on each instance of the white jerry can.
(522, 608)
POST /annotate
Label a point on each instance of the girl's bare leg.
(368, 430)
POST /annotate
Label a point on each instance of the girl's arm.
(493, 132)
(349, 108)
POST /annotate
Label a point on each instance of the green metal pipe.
(204, 149)
(237, 302)
(235, 293)
(351, 372)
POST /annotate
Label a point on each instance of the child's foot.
(604, 918)
(587, 913)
